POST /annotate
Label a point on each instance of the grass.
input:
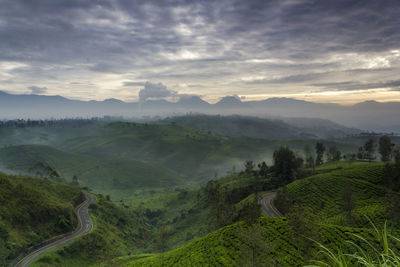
(386, 254)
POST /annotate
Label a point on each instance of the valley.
(170, 194)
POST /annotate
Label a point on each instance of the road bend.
(85, 226)
(268, 207)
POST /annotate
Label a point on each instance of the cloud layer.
(100, 49)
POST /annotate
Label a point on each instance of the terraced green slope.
(229, 246)
(323, 193)
(33, 210)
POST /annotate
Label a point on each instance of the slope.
(325, 194)
(99, 173)
(33, 210)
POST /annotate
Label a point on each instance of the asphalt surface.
(267, 206)
(85, 226)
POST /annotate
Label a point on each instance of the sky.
(322, 51)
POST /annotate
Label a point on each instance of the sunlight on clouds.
(340, 97)
(10, 65)
(363, 61)
(182, 55)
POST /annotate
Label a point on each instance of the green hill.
(324, 194)
(33, 210)
(117, 232)
(114, 176)
(271, 240)
(189, 152)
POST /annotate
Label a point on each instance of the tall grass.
(387, 254)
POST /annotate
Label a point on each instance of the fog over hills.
(369, 115)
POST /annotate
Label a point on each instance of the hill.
(117, 232)
(325, 194)
(276, 129)
(33, 210)
(270, 242)
(114, 176)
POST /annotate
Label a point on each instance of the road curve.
(85, 226)
(268, 207)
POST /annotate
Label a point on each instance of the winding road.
(268, 207)
(85, 226)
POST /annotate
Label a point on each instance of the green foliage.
(31, 211)
(385, 148)
(286, 164)
(117, 232)
(384, 252)
(319, 150)
(323, 193)
(228, 247)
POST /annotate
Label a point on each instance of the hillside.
(117, 232)
(327, 223)
(326, 193)
(271, 239)
(191, 153)
(33, 210)
(103, 174)
(276, 129)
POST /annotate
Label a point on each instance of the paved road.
(85, 226)
(267, 206)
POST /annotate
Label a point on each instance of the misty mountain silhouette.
(368, 115)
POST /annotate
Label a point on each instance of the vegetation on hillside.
(33, 210)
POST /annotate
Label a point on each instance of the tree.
(385, 148)
(221, 210)
(250, 211)
(303, 225)
(249, 166)
(286, 164)
(361, 153)
(348, 202)
(393, 205)
(75, 180)
(319, 149)
(369, 148)
(350, 158)
(254, 247)
(263, 169)
(310, 158)
(333, 154)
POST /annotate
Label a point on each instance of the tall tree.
(249, 166)
(310, 159)
(319, 150)
(348, 202)
(385, 148)
(333, 154)
(369, 148)
(286, 164)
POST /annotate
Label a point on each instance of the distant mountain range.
(369, 115)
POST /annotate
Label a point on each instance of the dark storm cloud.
(184, 40)
(61, 30)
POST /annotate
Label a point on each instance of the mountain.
(369, 115)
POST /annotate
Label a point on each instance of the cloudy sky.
(327, 51)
